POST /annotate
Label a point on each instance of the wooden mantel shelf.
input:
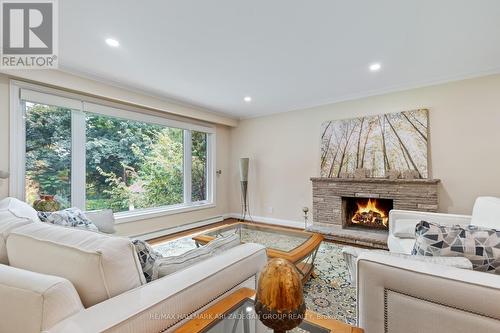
(375, 180)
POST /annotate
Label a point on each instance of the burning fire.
(369, 214)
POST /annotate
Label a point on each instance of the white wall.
(285, 148)
(114, 93)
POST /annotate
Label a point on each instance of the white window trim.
(81, 104)
(188, 155)
(131, 115)
(78, 152)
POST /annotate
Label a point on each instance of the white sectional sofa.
(57, 279)
(396, 294)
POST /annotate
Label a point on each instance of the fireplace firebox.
(370, 213)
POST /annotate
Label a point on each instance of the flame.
(370, 207)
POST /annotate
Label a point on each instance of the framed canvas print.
(376, 146)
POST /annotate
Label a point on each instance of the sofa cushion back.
(13, 213)
(99, 266)
(32, 302)
(486, 212)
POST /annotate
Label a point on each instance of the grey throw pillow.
(103, 219)
(480, 246)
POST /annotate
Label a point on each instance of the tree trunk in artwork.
(330, 172)
(384, 147)
(424, 137)
(403, 145)
(359, 141)
(326, 129)
(370, 127)
(348, 139)
(419, 122)
(325, 152)
(333, 164)
(404, 156)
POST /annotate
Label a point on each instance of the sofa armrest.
(30, 302)
(166, 302)
(400, 295)
(440, 218)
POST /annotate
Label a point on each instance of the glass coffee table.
(297, 246)
(236, 314)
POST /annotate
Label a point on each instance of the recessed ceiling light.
(375, 67)
(112, 42)
(247, 99)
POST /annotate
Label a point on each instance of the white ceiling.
(286, 54)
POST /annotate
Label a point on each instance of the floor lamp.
(244, 187)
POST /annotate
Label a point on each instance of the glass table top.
(243, 319)
(272, 238)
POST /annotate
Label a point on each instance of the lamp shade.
(244, 169)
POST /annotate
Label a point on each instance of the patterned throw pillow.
(480, 246)
(70, 217)
(147, 257)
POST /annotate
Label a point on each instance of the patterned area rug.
(330, 293)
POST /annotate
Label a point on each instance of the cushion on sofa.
(99, 266)
(481, 246)
(167, 265)
(32, 302)
(13, 213)
(485, 212)
(19, 208)
(405, 228)
(104, 220)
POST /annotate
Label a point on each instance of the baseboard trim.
(269, 220)
(173, 230)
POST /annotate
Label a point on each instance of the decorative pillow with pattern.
(70, 217)
(147, 257)
(480, 246)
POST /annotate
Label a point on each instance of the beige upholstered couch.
(57, 279)
(398, 295)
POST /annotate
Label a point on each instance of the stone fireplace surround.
(328, 194)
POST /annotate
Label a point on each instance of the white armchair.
(402, 222)
(396, 294)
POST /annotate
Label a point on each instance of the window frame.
(80, 104)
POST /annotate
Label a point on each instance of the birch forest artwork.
(376, 145)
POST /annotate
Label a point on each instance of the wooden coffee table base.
(214, 314)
